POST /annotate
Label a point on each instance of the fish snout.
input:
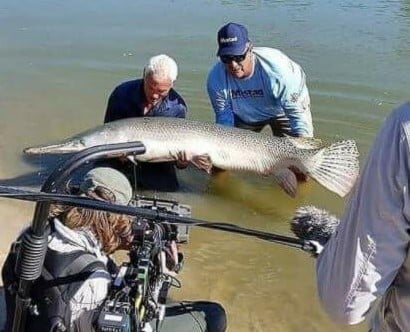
(65, 147)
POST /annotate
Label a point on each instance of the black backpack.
(62, 275)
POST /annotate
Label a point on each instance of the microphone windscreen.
(311, 223)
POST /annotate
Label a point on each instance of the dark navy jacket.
(126, 101)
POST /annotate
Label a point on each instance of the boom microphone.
(313, 224)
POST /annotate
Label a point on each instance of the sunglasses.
(232, 58)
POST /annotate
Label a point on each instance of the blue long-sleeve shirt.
(276, 87)
(127, 101)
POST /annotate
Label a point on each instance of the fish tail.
(336, 167)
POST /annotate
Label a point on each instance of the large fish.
(336, 166)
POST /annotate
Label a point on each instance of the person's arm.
(221, 106)
(113, 111)
(300, 118)
(180, 109)
(362, 259)
(295, 101)
(287, 83)
(219, 99)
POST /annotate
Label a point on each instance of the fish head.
(72, 145)
(100, 135)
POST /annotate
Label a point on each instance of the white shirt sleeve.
(363, 257)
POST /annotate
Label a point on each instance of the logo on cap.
(228, 40)
(232, 39)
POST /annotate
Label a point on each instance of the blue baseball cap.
(232, 39)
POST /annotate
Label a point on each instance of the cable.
(162, 217)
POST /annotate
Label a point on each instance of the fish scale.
(336, 166)
(208, 139)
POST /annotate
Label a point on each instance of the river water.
(60, 60)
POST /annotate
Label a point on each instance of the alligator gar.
(336, 167)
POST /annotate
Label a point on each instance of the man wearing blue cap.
(252, 87)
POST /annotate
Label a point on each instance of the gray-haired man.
(152, 95)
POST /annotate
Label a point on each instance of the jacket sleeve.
(219, 99)
(113, 111)
(180, 110)
(361, 260)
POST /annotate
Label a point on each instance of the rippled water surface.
(60, 60)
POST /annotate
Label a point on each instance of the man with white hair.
(151, 95)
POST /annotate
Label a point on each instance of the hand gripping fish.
(336, 167)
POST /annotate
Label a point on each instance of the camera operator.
(77, 271)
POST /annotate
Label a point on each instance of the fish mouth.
(59, 148)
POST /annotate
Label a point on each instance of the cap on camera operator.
(81, 240)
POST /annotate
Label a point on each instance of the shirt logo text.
(238, 93)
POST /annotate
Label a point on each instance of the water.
(60, 60)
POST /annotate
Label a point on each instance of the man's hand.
(200, 161)
(172, 258)
(182, 160)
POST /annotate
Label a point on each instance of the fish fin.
(300, 176)
(287, 180)
(132, 159)
(309, 143)
(202, 161)
(336, 167)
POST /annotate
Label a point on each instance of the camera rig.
(30, 260)
(31, 256)
(140, 288)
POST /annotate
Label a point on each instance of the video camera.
(140, 287)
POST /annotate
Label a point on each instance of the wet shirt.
(276, 87)
(126, 101)
(365, 266)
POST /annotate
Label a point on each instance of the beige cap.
(111, 179)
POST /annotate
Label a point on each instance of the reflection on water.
(59, 62)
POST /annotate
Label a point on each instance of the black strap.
(62, 276)
(64, 267)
